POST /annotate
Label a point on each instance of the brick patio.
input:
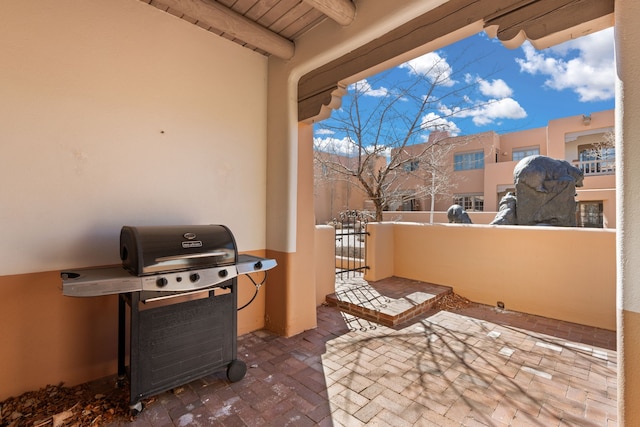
(475, 366)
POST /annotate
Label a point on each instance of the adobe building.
(481, 170)
(482, 165)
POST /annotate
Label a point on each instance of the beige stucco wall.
(113, 113)
(575, 268)
(325, 244)
(143, 122)
(438, 217)
(536, 137)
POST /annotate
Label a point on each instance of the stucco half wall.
(561, 273)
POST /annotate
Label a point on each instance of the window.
(470, 202)
(590, 214)
(411, 166)
(409, 203)
(521, 153)
(468, 161)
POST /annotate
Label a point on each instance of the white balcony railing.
(596, 167)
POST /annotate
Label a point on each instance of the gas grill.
(180, 286)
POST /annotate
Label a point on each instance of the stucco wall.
(325, 278)
(113, 113)
(438, 217)
(150, 121)
(556, 272)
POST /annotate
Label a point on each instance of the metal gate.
(351, 250)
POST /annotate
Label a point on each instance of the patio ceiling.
(269, 27)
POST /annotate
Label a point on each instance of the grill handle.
(190, 256)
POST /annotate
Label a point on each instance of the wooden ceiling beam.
(226, 20)
(341, 11)
(537, 20)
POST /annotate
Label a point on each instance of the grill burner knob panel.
(192, 280)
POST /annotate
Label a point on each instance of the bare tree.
(386, 139)
(430, 173)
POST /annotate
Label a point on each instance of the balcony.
(596, 167)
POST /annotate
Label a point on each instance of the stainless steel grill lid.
(151, 249)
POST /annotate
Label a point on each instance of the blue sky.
(514, 89)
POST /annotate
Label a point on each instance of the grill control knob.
(194, 277)
(223, 273)
(161, 282)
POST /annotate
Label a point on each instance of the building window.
(521, 153)
(468, 161)
(590, 214)
(411, 166)
(470, 202)
(409, 203)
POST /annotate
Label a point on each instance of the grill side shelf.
(98, 281)
(251, 264)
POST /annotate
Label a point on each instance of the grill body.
(174, 344)
(177, 304)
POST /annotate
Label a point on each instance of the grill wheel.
(236, 370)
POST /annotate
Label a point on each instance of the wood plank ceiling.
(269, 27)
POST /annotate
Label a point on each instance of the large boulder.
(545, 191)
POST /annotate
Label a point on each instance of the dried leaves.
(452, 301)
(58, 406)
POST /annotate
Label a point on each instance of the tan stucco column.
(627, 16)
(290, 294)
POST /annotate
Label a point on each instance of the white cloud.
(584, 65)
(365, 88)
(487, 112)
(323, 131)
(343, 146)
(495, 89)
(432, 121)
(434, 67)
(347, 147)
(505, 108)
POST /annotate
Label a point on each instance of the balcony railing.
(596, 167)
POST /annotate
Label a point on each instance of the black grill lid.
(155, 249)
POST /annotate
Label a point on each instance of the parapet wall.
(557, 272)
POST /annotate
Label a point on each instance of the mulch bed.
(59, 406)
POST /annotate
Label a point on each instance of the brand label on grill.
(192, 244)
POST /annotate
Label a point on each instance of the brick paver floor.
(477, 366)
